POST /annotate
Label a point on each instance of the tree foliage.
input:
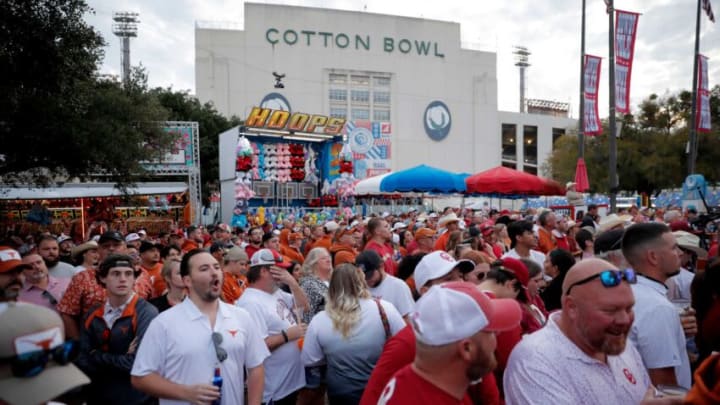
(650, 151)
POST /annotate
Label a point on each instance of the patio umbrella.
(370, 185)
(423, 179)
(507, 182)
(581, 178)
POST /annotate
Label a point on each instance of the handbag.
(383, 318)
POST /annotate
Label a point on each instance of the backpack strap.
(383, 318)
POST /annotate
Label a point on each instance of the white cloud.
(549, 28)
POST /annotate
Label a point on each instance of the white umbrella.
(371, 185)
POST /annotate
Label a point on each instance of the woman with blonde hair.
(349, 335)
(316, 272)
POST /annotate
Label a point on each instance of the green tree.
(58, 121)
(185, 107)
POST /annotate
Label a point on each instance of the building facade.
(410, 93)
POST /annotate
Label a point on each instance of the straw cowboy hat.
(691, 242)
(451, 217)
(613, 220)
(80, 249)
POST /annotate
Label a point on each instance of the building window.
(509, 149)
(360, 114)
(360, 96)
(360, 81)
(382, 82)
(530, 169)
(336, 112)
(511, 165)
(338, 95)
(336, 78)
(530, 140)
(557, 133)
(381, 97)
(381, 115)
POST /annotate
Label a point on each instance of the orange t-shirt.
(233, 287)
(156, 279)
(546, 241)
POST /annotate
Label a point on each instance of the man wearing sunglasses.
(582, 355)
(40, 288)
(184, 345)
(653, 252)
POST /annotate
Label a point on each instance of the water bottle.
(217, 381)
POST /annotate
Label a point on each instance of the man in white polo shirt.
(184, 345)
(582, 355)
(274, 312)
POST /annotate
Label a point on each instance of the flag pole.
(581, 120)
(693, 140)
(612, 161)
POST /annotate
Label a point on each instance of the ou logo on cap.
(446, 257)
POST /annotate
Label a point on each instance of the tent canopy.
(505, 181)
(83, 190)
(423, 179)
(370, 185)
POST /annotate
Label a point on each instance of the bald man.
(582, 355)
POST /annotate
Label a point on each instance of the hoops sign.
(297, 122)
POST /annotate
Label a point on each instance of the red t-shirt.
(406, 387)
(250, 250)
(399, 352)
(386, 253)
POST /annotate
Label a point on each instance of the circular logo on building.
(275, 101)
(437, 120)
(361, 140)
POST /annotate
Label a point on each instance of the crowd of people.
(449, 307)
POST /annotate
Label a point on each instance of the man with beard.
(194, 239)
(454, 325)
(582, 355)
(65, 244)
(11, 265)
(39, 287)
(49, 249)
(274, 312)
(255, 237)
(653, 252)
(187, 344)
(384, 286)
(151, 266)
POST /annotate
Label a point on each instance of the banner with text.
(625, 30)
(702, 116)
(591, 83)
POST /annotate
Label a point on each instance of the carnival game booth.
(73, 207)
(265, 169)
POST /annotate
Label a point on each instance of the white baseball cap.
(437, 264)
(331, 226)
(453, 311)
(399, 225)
(132, 237)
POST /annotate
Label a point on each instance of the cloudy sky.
(550, 29)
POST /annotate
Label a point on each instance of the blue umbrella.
(423, 179)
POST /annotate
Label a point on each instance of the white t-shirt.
(657, 332)
(350, 361)
(537, 257)
(178, 346)
(62, 270)
(548, 368)
(679, 285)
(273, 313)
(396, 292)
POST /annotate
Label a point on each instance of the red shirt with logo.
(408, 388)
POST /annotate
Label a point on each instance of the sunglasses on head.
(33, 363)
(219, 351)
(608, 278)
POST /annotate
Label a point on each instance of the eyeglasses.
(49, 297)
(33, 363)
(219, 351)
(608, 278)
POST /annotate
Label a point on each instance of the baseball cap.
(424, 233)
(31, 328)
(10, 259)
(368, 261)
(487, 228)
(131, 237)
(437, 264)
(268, 257)
(331, 226)
(223, 227)
(456, 310)
(145, 246)
(111, 235)
(398, 226)
(235, 253)
(142, 232)
(216, 246)
(518, 268)
(62, 238)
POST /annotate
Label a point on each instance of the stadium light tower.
(125, 27)
(521, 60)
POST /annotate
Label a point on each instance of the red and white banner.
(708, 10)
(591, 83)
(625, 30)
(702, 116)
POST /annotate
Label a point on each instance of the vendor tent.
(508, 182)
(87, 190)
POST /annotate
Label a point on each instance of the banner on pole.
(591, 84)
(702, 118)
(625, 30)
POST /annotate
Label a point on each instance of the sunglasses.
(608, 278)
(33, 363)
(217, 340)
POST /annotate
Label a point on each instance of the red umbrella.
(506, 181)
(581, 178)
